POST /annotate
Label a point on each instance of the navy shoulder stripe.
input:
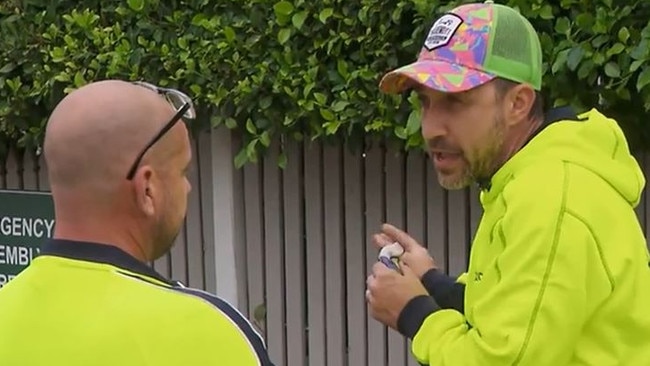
(253, 337)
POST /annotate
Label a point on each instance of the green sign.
(26, 221)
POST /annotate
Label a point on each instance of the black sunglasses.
(184, 110)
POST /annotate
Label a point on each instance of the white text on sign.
(5, 278)
(26, 227)
(17, 255)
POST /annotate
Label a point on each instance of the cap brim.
(437, 75)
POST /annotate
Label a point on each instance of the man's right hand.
(415, 256)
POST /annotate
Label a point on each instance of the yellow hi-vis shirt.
(82, 304)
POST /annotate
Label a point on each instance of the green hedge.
(297, 69)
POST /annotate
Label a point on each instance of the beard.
(455, 182)
(479, 163)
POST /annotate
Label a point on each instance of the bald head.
(96, 132)
(92, 138)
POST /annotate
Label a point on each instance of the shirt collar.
(100, 253)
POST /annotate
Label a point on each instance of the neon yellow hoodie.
(559, 269)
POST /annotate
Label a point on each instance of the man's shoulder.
(562, 186)
(153, 299)
(182, 300)
(213, 303)
(539, 181)
(192, 312)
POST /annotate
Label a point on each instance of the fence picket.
(13, 167)
(334, 257)
(436, 218)
(395, 210)
(415, 209)
(254, 234)
(374, 203)
(355, 250)
(294, 253)
(274, 244)
(30, 171)
(195, 266)
(313, 165)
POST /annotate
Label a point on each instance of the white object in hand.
(394, 250)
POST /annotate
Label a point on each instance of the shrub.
(297, 69)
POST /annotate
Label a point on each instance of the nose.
(433, 123)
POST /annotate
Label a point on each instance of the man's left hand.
(389, 291)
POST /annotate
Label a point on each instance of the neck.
(511, 147)
(519, 140)
(98, 229)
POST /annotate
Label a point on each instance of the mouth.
(441, 155)
(445, 160)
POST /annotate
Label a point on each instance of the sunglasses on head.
(184, 108)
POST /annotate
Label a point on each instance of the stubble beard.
(457, 181)
(482, 165)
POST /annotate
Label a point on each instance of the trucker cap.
(469, 46)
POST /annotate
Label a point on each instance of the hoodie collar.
(492, 186)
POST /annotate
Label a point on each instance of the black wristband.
(414, 313)
(436, 282)
(448, 293)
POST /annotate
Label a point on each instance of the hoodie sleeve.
(533, 310)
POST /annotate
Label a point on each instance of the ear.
(145, 190)
(517, 104)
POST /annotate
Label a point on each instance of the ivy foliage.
(297, 69)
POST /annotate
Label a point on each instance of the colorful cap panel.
(438, 75)
(452, 57)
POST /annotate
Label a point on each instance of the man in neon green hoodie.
(559, 269)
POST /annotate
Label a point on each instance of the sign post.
(26, 221)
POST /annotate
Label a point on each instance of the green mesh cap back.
(514, 50)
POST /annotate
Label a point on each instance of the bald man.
(117, 155)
